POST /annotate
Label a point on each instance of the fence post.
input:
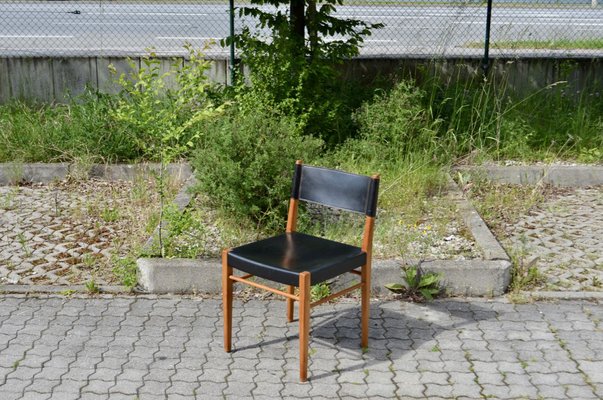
(486, 59)
(232, 44)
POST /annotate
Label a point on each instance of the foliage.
(64, 132)
(245, 160)
(418, 284)
(392, 126)
(125, 269)
(296, 71)
(164, 120)
(320, 291)
(92, 287)
(494, 119)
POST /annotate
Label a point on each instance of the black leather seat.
(282, 258)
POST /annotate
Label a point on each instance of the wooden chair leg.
(304, 324)
(227, 301)
(290, 303)
(365, 305)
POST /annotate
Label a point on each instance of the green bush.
(245, 160)
(164, 121)
(392, 127)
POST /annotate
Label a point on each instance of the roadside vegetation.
(243, 140)
(553, 44)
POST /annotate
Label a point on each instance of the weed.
(79, 169)
(67, 292)
(519, 298)
(92, 287)
(15, 172)
(436, 349)
(524, 364)
(125, 269)
(419, 285)
(88, 260)
(7, 201)
(23, 243)
(109, 214)
(320, 291)
(524, 275)
(16, 364)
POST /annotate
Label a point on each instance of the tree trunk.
(298, 25)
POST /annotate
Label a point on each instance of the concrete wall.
(50, 79)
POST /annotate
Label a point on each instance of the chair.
(298, 260)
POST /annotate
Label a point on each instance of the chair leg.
(365, 305)
(227, 300)
(304, 324)
(290, 290)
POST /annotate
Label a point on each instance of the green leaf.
(429, 280)
(395, 287)
(427, 293)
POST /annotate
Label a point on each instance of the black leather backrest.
(337, 189)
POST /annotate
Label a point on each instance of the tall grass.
(63, 132)
(487, 117)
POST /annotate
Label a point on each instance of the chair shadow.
(323, 324)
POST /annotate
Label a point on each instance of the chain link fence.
(433, 28)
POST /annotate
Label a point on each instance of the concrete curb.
(491, 249)
(184, 275)
(488, 277)
(13, 173)
(28, 289)
(563, 295)
(557, 175)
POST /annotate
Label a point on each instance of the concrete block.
(106, 80)
(72, 76)
(127, 172)
(574, 176)
(158, 275)
(11, 173)
(485, 240)
(5, 94)
(31, 79)
(383, 272)
(167, 65)
(472, 277)
(557, 175)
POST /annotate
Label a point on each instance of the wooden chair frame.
(303, 297)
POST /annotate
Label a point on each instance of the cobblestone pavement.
(149, 348)
(565, 238)
(64, 233)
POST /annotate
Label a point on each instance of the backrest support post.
(294, 201)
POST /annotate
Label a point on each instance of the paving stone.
(123, 386)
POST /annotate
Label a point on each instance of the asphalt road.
(114, 29)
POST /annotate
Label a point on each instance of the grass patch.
(554, 44)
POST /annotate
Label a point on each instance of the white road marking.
(184, 38)
(34, 36)
(145, 13)
(119, 23)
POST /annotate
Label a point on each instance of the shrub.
(393, 126)
(245, 160)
